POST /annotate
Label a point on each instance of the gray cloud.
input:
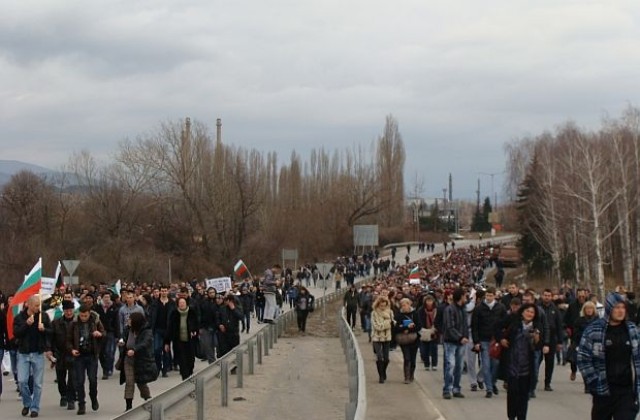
(461, 78)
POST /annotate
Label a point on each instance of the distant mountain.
(8, 168)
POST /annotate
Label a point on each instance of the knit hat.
(612, 300)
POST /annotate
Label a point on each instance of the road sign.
(72, 280)
(71, 265)
(324, 269)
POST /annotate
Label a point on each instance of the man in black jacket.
(486, 319)
(209, 315)
(32, 329)
(554, 322)
(64, 360)
(108, 312)
(455, 336)
(159, 313)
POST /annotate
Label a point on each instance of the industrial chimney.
(219, 131)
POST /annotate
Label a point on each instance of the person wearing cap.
(608, 348)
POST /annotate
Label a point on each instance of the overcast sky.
(461, 77)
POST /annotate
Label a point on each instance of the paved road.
(423, 399)
(566, 402)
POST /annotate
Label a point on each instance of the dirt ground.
(304, 376)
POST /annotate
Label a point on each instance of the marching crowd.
(492, 335)
(144, 331)
(440, 304)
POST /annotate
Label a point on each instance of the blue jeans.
(453, 359)
(489, 366)
(31, 364)
(163, 358)
(246, 321)
(85, 364)
(108, 353)
(537, 359)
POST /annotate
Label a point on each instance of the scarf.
(184, 331)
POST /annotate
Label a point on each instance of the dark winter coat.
(508, 356)
(486, 321)
(454, 324)
(173, 326)
(144, 363)
(21, 332)
(73, 334)
(400, 317)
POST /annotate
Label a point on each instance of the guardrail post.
(200, 398)
(224, 383)
(157, 411)
(251, 359)
(267, 334)
(239, 367)
(276, 332)
(259, 344)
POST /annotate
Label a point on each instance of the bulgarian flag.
(414, 273)
(240, 269)
(30, 287)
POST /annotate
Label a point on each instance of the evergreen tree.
(533, 254)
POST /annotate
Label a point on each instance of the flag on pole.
(414, 273)
(240, 269)
(30, 287)
(58, 276)
(116, 288)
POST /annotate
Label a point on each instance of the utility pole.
(494, 195)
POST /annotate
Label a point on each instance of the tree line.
(577, 195)
(179, 195)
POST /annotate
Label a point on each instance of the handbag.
(119, 363)
(495, 349)
(426, 334)
(404, 339)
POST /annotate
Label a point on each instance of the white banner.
(221, 284)
(414, 281)
(47, 286)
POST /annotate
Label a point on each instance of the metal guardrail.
(356, 408)
(192, 389)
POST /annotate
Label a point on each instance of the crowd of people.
(438, 311)
(491, 335)
(144, 331)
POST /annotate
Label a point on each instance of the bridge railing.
(356, 408)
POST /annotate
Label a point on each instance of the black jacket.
(21, 332)
(109, 318)
(454, 324)
(554, 322)
(485, 321)
(60, 328)
(400, 317)
(144, 363)
(173, 325)
(3, 330)
(507, 356)
(209, 314)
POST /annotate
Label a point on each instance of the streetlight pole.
(494, 195)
